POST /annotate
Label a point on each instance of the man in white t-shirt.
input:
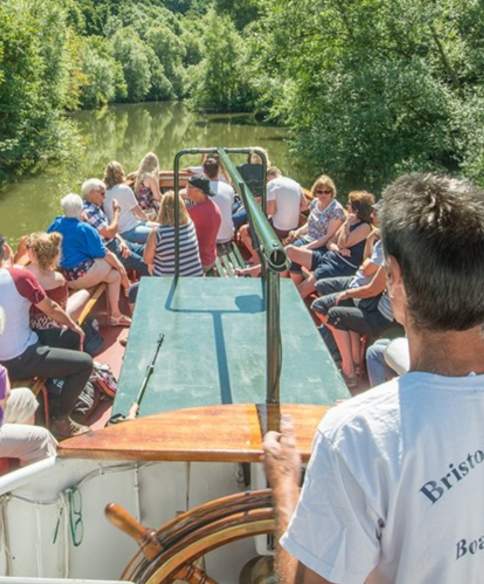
(285, 201)
(224, 199)
(393, 490)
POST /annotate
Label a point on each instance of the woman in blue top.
(345, 253)
(85, 260)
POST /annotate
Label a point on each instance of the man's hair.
(91, 184)
(211, 167)
(72, 205)
(434, 227)
(273, 172)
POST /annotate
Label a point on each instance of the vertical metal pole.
(177, 214)
(273, 337)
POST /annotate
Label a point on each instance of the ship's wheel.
(170, 553)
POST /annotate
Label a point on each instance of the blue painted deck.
(214, 347)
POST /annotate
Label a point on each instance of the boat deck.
(215, 345)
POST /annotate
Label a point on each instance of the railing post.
(273, 337)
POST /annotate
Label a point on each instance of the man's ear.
(396, 289)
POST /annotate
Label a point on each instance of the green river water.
(125, 133)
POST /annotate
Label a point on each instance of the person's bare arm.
(349, 238)
(112, 229)
(138, 212)
(154, 186)
(373, 288)
(149, 251)
(283, 469)
(271, 207)
(303, 203)
(55, 312)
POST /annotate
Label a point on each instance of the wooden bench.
(228, 260)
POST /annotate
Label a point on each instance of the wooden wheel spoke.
(193, 534)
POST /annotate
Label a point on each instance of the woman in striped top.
(160, 248)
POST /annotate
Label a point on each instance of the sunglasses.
(323, 192)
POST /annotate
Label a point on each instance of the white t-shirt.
(127, 201)
(287, 193)
(224, 199)
(394, 488)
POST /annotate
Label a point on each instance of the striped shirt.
(164, 260)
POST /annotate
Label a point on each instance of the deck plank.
(222, 433)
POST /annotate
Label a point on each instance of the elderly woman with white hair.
(85, 260)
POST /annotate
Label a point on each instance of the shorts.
(316, 257)
(71, 274)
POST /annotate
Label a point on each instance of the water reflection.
(126, 133)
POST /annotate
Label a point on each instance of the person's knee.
(21, 405)
(84, 362)
(113, 277)
(320, 305)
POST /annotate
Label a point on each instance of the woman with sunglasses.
(325, 218)
(345, 251)
(326, 215)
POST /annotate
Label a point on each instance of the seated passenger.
(387, 358)
(160, 247)
(43, 251)
(325, 217)
(345, 253)
(133, 221)
(147, 185)
(285, 201)
(85, 261)
(349, 323)
(19, 437)
(252, 173)
(224, 199)
(128, 253)
(206, 217)
(24, 356)
(329, 289)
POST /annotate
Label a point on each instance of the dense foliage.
(373, 88)
(370, 88)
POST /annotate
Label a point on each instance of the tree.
(130, 51)
(219, 81)
(375, 88)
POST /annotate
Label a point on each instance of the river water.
(126, 133)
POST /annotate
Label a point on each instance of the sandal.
(121, 320)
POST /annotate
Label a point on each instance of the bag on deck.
(93, 341)
(104, 379)
(101, 386)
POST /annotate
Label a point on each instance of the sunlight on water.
(125, 133)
